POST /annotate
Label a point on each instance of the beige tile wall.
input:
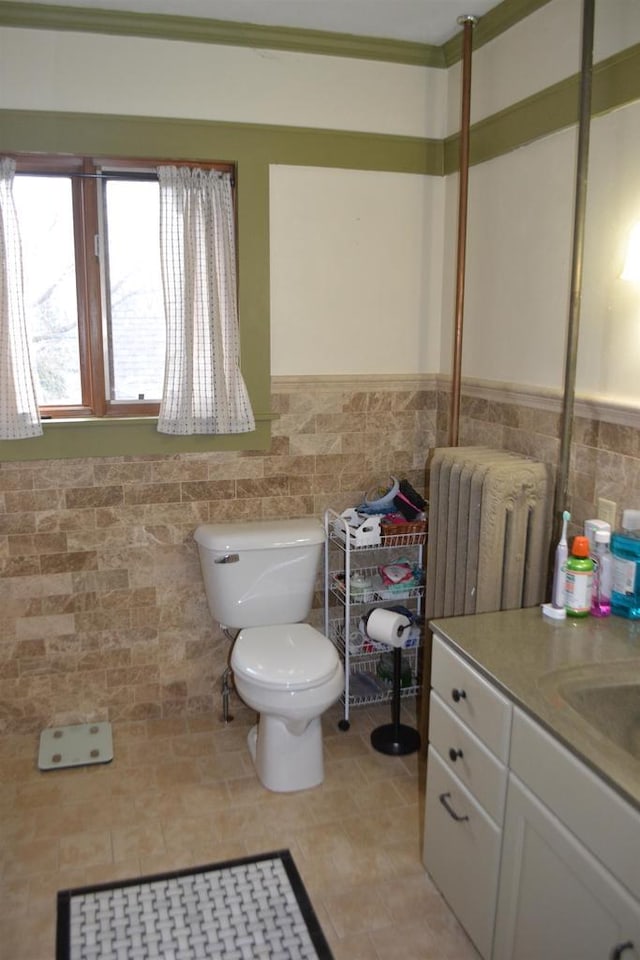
(605, 455)
(102, 608)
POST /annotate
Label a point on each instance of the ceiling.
(422, 21)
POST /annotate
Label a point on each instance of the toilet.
(259, 578)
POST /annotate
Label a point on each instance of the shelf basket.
(403, 534)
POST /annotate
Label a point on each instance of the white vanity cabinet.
(536, 855)
(467, 775)
(570, 866)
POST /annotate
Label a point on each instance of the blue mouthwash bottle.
(625, 549)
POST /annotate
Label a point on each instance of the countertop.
(542, 664)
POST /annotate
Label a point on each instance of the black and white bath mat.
(255, 908)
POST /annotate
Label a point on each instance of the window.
(93, 286)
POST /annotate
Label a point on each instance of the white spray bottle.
(562, 552)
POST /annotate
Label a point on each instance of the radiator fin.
(489, 525)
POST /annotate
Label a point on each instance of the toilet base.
(286, 762)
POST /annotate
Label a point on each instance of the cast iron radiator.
(490, 515)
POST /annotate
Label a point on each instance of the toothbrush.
(562, 553)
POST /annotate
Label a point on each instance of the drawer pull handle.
(454, 754)
(444, 800)
(617, 952)
(458, 695)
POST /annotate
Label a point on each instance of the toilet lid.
(290, 656)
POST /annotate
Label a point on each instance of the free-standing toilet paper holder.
(395, 738)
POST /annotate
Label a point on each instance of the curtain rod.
(150, 176)
(78, 175)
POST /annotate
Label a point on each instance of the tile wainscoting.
(102, 608)
(605, 450)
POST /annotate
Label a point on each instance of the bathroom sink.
(613, 708)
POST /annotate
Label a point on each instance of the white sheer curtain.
(19, 414)
(204, 391)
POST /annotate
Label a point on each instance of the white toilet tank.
(260, 573)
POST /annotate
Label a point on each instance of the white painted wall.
(362, 263)
(356, 268)
(50, 70)
(540, 50)
(609, 354)
(519, 248)
(518, 265)
(520, 228)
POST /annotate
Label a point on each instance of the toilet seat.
(291, 656)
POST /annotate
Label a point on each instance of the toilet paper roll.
(388, 627)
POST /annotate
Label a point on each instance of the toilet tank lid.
(259, 534)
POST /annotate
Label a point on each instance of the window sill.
(125, 436)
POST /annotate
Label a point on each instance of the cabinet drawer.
(472, 698)
(592, 811)
(462, 856)
(468, 758)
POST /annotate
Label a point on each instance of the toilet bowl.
(259, 578)
(289, 674)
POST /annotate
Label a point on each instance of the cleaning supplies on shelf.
(625, 548)
(408, 502)
(579, 579)
(602, 575)
(399, 578)
(357, 529)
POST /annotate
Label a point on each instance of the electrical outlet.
(607, 510)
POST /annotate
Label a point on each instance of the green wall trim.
(616, 83)
(616, 80)
(253, 148)
(113, 437)
(226, 32)
(231, 33)
(34, 130)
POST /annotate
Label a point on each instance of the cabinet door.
(461, 852)
(555, 900)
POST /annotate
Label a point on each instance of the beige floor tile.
(379, 795)
(225, 766)
(183, 792)
(89, 849)
(331, 805)
(34, 940)
(342, 746)
(327, 839)
(138, 840)
(358, 947)
(359, 910)
(200, 800)
(28, 857)
(112, 872)
(171, 774)
(189, 833)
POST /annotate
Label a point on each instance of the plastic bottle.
(602, 575)
(625, 547)
(579, 579)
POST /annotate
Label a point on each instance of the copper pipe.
(468, 23)
(582, 163)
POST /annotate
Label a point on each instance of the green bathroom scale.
(75, 746)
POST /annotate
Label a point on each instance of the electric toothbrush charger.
(554, 613)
